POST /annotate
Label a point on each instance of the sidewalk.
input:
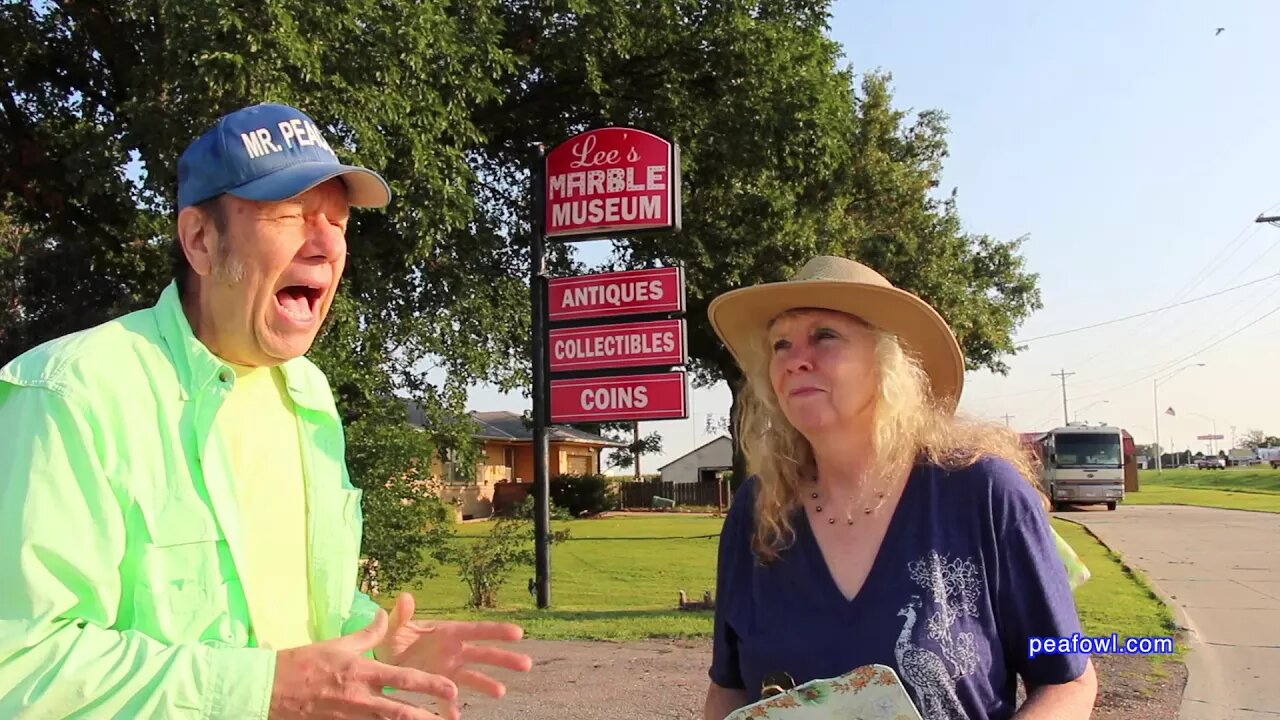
(1221, 571)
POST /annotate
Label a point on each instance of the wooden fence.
(642, 494)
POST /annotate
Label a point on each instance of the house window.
(579, 464)
(456, 472)
(509, 457)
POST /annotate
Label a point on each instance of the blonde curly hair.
(908, 428)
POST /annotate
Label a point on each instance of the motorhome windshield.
(1087, 450)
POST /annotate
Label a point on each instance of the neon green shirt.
(122, 545)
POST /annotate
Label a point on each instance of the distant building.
(703, 464)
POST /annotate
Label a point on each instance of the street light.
(1076, 414)
(1155, 395)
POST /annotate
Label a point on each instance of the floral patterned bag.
(870, 691)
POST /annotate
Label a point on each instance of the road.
(1221, 569)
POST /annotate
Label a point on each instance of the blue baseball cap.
(269, 152)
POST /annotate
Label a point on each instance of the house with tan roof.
(504, 474)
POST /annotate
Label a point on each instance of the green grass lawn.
(617, 579)
(1232, 488)
(1258, 479)
(1114, 599)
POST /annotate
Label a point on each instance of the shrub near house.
(583, 494)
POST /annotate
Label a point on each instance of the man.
(178, 533)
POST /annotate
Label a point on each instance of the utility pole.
(541, 404)
(1064, 374)
(635, 447)
(1007, 418)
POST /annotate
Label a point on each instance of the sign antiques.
(607, 347)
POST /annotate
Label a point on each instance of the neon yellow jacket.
(120, 536)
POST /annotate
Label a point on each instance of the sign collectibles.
(597, 347)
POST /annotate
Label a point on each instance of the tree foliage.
(99, 99)
(1255, 439)
(786, 154)
(629, 456)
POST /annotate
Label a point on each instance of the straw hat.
(740, 317)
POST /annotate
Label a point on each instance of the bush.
(485, 564)
(582, 494)
(524, 511)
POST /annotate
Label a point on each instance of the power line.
(1183, 359)
(1275, 221)
(1091, 380)
(1147, 312)
(1155, 369)
(1245, 304)
(1206, 271)
(1151, 370)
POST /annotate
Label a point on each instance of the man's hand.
(445, 648)
(333, 679)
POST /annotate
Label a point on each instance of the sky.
(1128, 143)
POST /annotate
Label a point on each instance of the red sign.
(660, 342)
(612, 180)
(629, 397)
(605, 295)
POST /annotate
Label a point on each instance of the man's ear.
(197, 234)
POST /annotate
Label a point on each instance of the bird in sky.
(1219, 32)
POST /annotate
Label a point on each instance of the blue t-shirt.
(967, 573)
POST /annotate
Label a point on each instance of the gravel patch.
(666, 680)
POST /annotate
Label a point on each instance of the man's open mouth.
(299, 302)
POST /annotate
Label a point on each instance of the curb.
(1185, 628)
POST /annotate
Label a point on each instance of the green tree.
(1255, 439)
(404, 519)
(1148, 451)
(15, 241)
(637, 445)
(785, 155)
(97, 100)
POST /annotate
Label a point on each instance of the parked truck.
(1082, 464)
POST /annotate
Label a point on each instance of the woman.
(877, 527)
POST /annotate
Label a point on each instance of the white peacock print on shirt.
(952, 587)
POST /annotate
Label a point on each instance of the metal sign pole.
(538, 303)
